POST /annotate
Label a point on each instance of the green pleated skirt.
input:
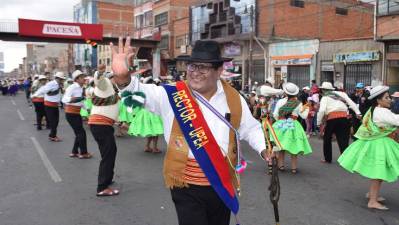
(145, 124)
(374, 159)
(292, 137)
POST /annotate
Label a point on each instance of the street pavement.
(41, 185)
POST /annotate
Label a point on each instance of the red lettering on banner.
(61, 29)
(54, 29)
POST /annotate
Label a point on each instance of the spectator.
(395, 103)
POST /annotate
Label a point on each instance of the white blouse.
(383, 117)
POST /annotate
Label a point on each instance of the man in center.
(200, 117)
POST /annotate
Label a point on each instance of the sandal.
(55, 139)
(324, 161)
(74, 155)
(108, 192)
(148, 150)
(281, 168)
(156, 150)
(294, 171)
(85, 156)
(382, 207)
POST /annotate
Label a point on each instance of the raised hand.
(122, 59)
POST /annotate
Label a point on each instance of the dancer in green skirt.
(87, 103)
(375, 154)
(288, 130)
(143, 123)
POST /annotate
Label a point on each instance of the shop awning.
(286, 57)
(292, 59)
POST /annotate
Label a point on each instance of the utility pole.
(251, 38)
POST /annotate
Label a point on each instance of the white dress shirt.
(50, 86)
(73, 91)
(250, 129)
(328, 105)
(298, 111)
(383, 117)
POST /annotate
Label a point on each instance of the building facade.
(387, 32)
(117, 18)
(233, 23)
(168, 22)
(293, 61)
(347, 62)
(85, 57)
(51, 57)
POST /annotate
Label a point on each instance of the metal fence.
(355, 73)
(299, 75)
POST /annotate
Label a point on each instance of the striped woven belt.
(336, 115)
(51, 104)
(73, 109)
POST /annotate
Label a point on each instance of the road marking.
(20, 115)
(53, 173)
(13, 102)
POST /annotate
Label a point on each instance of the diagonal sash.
(202, 143)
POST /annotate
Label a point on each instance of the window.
(181, 40)
(148, 20)
(164, 43)
(143, 20)
(108, 61)
(161, 19)
(139, 21)
(297, 3)
(393, 48)
(341, 11)
(388, 7)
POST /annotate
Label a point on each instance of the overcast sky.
(11, 10)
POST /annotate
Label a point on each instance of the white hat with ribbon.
(377, 91)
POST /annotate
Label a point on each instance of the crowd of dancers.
(369, 115)
(289, 117)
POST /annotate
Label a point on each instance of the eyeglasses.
(203, 69)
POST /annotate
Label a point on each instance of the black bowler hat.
(206, 52)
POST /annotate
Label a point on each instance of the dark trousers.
(75, 120)
(53, 116)
(27, 95)
(341, 128)
(104, 136)
(355, 125)
(40, 113)
(199, 205)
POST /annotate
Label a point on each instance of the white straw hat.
(290, 88)
(327, 86)
(377, 91)
(76, 74)
(60, 75)
(42, 77)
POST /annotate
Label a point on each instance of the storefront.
(362, 66)
(347, 62)
(392, 65)
(293, 62)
